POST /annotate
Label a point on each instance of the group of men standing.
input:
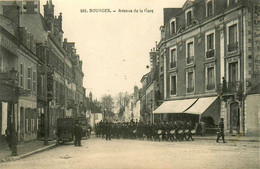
(164, 131)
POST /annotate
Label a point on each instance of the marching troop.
(165, 131)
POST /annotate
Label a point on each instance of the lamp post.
(46, 114)
(14, 138)
(151, 100)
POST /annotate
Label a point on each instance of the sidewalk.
(24, 149)
(230, 138)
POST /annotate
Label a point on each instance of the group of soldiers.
(164, 131)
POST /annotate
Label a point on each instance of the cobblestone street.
(99, 153)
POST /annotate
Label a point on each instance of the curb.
(27, 154)
(227, 139)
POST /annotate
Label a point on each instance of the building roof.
(35, 24)
(144, 76)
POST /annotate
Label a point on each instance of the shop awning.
(201, 105)
(175, 106)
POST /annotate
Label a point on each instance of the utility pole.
(46, 107)
(14, 138)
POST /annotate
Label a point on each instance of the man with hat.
(221, 132)
(78, 131)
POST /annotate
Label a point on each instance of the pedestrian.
(108, 128)
(199, 129)
(189, 134)
(78, 131)
(8, 137)
(221, 132)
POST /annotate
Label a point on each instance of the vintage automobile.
(65, 130)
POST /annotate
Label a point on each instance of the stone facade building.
(49, 69)
(208, 59)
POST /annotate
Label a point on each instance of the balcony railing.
(190, 59)
(233, 47)
(190, 89)
(210, 86)
(234, 86)
(210, 53)
(173, 64)
(230, 87)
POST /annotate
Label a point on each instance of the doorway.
(234, 118)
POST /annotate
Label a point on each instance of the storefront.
(189, 110)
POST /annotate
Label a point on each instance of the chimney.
(12, 12)
(60, 20)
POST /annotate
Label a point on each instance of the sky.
(114, 47)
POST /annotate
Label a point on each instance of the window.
(21, 75)
(28, 40)
(173, 85)
(1, 63)
(210, 45)
(32, 125)
(190, 52)
(42, 84)
(210, 78)
(209, 8)
(232, 38)
(233, 72)
(233, 76)
(173, 58)
(231, 2)
(173, 26)
(34, 82)
(190, 88)
(26, 125)
(189, 18)
(37, 124)
(29, 78)
(210, 41)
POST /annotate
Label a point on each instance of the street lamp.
(14, 138)
(151, 100)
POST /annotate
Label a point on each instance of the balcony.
(234, 86)
(230, 87)
(190, 89)
(173, 64)
(190, 59)
(210, 86)
(233, 47)
(210, 53)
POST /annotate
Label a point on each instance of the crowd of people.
(164, 131)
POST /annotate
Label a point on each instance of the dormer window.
(209, 8)
(188, 17)
(231, 2)
(173, 26)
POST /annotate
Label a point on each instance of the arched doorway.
(234, 118)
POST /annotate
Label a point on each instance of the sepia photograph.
(129, 84)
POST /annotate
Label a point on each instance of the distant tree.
(107, 103)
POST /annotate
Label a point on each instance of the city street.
(99, 153)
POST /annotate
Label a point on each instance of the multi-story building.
(132, 110)
(209, 63)
(50, 70)
(149, 89)
(17, 53)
